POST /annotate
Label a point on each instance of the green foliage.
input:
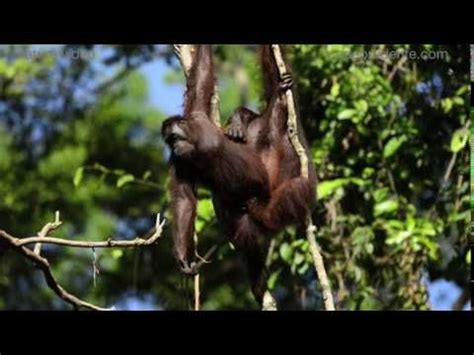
(125, 179)
(393, 145)
(382, 133)
(459, 139)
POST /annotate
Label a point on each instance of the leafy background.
(80, 133)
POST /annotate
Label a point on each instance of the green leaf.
(326, 188)
(78, 175)
(468, 257)
(3, 67)
(303, 268)
(146, 175)
(273, 279)
(205, 209)
(117, 253)
(385, 207)
(63, 161)
(286, 252)
(361, 106)
(200, 224)
(459, 140)
(346, 114)
(368, 172)
(447, 104)
(393, 145)
(101, 168)
(427, 228)
(394, 224)
(335, 90)
(299, 258)
(123, 180)
(369, 247)
(381, 194)
(458, 101)
(410, 223)
(398, 237)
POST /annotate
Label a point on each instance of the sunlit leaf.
(393, 145)
(125, 179)
(78, 175)
(298, 258)
(346, 114)
(335, 90)
(205, 209)
(385, 207)
(459, 140)
(286, 252)
(117, 253)
(273, 279)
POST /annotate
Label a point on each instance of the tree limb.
(19, 245)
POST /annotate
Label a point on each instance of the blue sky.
(167, 98)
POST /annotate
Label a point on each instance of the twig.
(310, 230)
(105, 171)
(109, 243)
(271, 248)
(446, 176)
(391, 179)
(48, 228)
(397, 67)
(269, 302)
(19, 245)
(197, 291)
(205, 259)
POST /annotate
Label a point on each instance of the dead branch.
(19, 245)
(310, 229)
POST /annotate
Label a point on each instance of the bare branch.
(311, 229)
(205, 259)
(48, 228)
(19, 245)
(197, 291)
